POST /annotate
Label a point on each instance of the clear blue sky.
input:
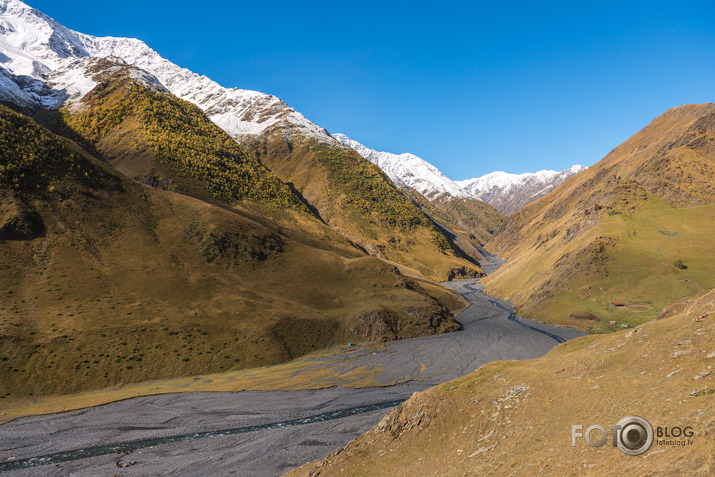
(471, 87)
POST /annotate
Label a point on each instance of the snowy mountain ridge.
(46, 65)
(505, 180)
(408, 169)
(500, 189)
(510, 192)
(33, 46)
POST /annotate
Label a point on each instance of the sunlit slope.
(107, 281)
(152, 136)
(635, 228)
(515, 417)
(160, 140)
(467, 215)
(467, 223)
(355, 197)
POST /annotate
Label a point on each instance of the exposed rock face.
(462, 273)
(237, 246)
(384, 325)
(374, 325)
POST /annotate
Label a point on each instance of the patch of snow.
(44, 64)
(509, 192)
(409, 170)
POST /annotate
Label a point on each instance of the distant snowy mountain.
(46, 65)
(409, 170)
(510, 192)
(33, 47)
(506, 192)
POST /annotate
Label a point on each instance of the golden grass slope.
(466, 216)
(514, 418)
(356, 198)
(635, 228)
(165, 142)
(106, 281)
(161, 140)
(467, 223)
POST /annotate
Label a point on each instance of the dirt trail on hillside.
(268, 433)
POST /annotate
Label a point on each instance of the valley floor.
(173, 434)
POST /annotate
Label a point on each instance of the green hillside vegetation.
(356, 198)
(636, 228)
(31, 157)
(183, 140)
(159, 140)
(106, 281)
(515, 417)
(467, 223)
(470, 216)
(368, 188)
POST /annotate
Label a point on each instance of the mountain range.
(154, 224)
(506, 192)
(41, 70)
(140, 240)
(510, 192)
(47, 66)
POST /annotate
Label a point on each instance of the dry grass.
(362, 203)
(132, 284)
(514, 418)
(614, 233)
(314, 371)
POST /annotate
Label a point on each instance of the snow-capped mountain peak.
(408, 169)
(505, 180)
(509, 192)
(506, 192)
(33, 46)
(46, 65)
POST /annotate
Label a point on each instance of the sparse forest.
(184, 140)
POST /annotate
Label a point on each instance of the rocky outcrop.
(387, 325)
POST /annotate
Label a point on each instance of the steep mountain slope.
(510, 192)
(635, 228)
(43, 57)
(34, 45)
(515, 417)
(408, 170)
(459, 214)
(180, 148)
(468, 223)
(506, 192)
(107, 281)
(356, 198)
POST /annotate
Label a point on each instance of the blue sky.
(471, 87)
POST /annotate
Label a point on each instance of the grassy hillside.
(358, 199)
(107, 281)
(473, 216)
(635, 228)
(165, 142)
(515, 417)
(467, 223)
(159, 139)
